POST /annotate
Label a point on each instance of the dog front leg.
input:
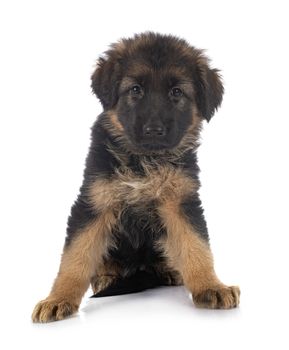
(190, 254)
(80, 259)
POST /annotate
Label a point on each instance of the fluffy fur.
(138, 220)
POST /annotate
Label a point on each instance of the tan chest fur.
(159, 184)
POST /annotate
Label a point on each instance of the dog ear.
(210, 89)
(105, 80)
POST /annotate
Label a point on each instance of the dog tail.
(136, 283)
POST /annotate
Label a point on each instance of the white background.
(48, 51)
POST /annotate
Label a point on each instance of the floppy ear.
(210, 89)
(105, 81)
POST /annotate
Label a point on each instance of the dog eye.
(176, 92)
(136, 90)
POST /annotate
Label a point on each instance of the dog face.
(157, 86)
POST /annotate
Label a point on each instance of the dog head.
(156, 87)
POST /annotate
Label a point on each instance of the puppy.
(138, 220)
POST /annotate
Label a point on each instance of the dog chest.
(128, 188)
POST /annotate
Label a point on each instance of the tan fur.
(115, 128)
(191, 256)
(115, 122)
(104, 276)
(79, 262)
(99, 283)
(127, 188)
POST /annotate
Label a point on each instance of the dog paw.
(52, 310)
(222, 297)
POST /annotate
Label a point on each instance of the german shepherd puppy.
(138, 221)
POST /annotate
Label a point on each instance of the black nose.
(154, 130)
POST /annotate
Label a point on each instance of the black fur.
(138, 230)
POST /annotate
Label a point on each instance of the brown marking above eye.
(178, 80)
(187, 88)
(133, 84)
(126, 84)
(182, 88)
